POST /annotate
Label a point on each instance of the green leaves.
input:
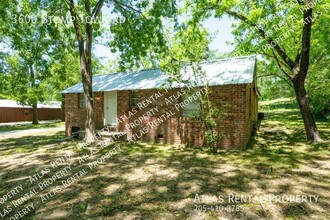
(142, 32)
(36, 48)
(318, 88)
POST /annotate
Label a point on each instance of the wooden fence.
(25, 114)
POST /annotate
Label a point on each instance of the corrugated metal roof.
(13, 104)
(221, 72)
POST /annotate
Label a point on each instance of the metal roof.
(14, 104)
(221, 72)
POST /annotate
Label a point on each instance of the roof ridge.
(155, 68)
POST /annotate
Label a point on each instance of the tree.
(28, 59)
(280, 30)
(141, 36)
(132, 37)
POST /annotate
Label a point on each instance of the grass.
(30, 126)
(148, 181)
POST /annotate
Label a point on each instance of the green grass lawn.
(30, 126)
(147, 181)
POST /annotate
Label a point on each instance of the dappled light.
(148, 181)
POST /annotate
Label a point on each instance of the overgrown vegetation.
(209, 112)
(211, 116)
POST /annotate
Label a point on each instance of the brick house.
(134, 103)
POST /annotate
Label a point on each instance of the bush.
(318, 88)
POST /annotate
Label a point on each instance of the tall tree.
(84, 8)
(27, 60)
(280, 30)
(133, 36)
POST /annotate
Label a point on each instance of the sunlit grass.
(30, 126)
(153, 181)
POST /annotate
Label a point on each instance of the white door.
(110, 108)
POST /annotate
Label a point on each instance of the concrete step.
(113, 134)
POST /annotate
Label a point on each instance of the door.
(110, 108)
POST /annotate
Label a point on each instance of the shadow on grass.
(151, 181)
(29, 144)
(148, 181)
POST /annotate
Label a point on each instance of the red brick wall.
(236, 124)
(75, 116)
(167, 129)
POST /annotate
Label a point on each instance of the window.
(133, 99)
(191, 106)
(81, 100)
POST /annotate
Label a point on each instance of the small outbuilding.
(11, 111)
(146, 106)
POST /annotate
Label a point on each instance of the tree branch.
(89, 32)
(75, 20)
(127, 6)
(97, 8)
(279, 65)
(273, 57)
(37, 47)
(319, 59)
(285, 79)
(261, 32)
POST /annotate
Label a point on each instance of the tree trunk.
(306, 112)
(86, 74)
(300, 74)
(299, 66)
(35, 113)
(87, 78)
(63, 108)
(85, 53)
(35, 102)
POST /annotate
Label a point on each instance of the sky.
(222, 28)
